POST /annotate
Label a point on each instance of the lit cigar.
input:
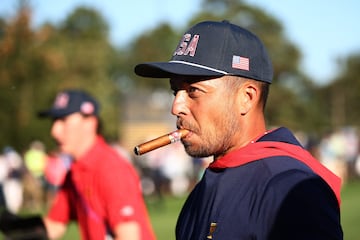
(160, 141)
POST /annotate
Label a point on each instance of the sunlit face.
(69, 132)
(208, 110)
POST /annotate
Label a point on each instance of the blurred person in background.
(12, 186)
(102, 190)
(34, 183)
(4, 171)
(154, 179)
(35, 160)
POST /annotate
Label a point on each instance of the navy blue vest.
(274, 198)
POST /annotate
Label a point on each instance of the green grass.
(350, 210)
(164, 214)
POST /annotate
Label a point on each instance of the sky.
(324, 30)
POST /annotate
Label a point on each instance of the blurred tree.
(37, 64)
(88, 61)
(340, 98)
(154, 45)
(18, 64)
(85, 23)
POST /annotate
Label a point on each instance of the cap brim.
(53, 113)
(169, 69)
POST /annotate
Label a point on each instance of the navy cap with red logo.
(72, 101)
(214, 49)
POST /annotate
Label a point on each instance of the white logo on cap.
(188, 45)
(61, 101)
(87, 108)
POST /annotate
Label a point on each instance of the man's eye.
(194, 92)
(192, 89)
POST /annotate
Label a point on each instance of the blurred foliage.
(35, 65)
(340, 99)
(155, 45)
(76, 53)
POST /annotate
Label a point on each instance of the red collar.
(264, 149)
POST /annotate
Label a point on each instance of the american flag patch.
(241, 63)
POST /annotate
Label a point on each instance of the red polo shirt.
(101, 191)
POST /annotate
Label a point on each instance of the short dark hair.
(265, 88)
(235, 82)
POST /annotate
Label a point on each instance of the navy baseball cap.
(214, 49)
(72, 101)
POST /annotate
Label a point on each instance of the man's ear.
(248, 97)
